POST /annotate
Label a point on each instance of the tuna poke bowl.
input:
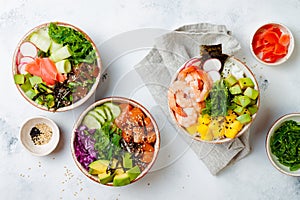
(214, 97)
(56, 67)
(115, 141)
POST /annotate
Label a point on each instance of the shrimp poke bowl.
(214, 97)
(115, 141)
(56, 67)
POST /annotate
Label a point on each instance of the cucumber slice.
(60, 54)
(55, 46)
(97, 116)
(108, 113)
(43, 43)
(115, 109)
(63, 66)
(101, 111)
(91, 122)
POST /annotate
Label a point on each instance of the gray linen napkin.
(169, 53)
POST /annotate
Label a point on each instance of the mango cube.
(236, 125)
(192, 129)
(231, 133)
(204, 119)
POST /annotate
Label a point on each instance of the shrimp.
(172, 103)
(198, 80)
(190, 119)
(177, 87)
(198, 106)
(183, 99)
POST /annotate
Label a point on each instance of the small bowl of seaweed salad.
(115, 141)
(283, 144)
(56, 67)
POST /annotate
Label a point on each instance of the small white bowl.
(273, 158)
(285, 30)
(26, 140)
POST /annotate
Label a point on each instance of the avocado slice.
(245, 118)
(133, 172)
(26, 86)
(245, 82)
(251, 93)
(244, 101)
(230, 80)
(121, 179)
(236, 99)
(99, 165)
(19, 79)
(30, 93)
(238, 110)
(34, 80)
(253, 109)
(127, 161)
(105, 178)
(236, 89)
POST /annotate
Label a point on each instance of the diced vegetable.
(251, 93)
(42, 42)
(26, 59)
(230, 80)
(108, 113)
(215, 75)
(101, 111)
(212, 64)
(61, 54)
(97, 116)
(34, 80)
(54, 46)
(28, 49)
(91, 122)
(19, 78)
(115, 109)
(63, 66)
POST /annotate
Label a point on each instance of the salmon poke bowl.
(213, 98)
(56, 67)
(115, 141)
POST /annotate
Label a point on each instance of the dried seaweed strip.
(212, 51)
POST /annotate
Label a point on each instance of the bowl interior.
(26, 140)
(247, 73)
(73, 105)
(271, 156)
(284, 30)
(115, 100)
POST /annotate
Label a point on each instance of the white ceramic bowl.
(26, 140)
(283, 29)
(16, 60)
(273, 159)
(117, 100)
(248, 73)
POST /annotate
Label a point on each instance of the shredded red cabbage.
(84, 146)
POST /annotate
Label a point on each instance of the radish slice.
(26, 59)
(28, 49)
(215, 75)
(22, 68)
(18, 57)
(193, 62)
(212, 64)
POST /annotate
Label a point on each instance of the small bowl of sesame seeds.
(39, 135)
